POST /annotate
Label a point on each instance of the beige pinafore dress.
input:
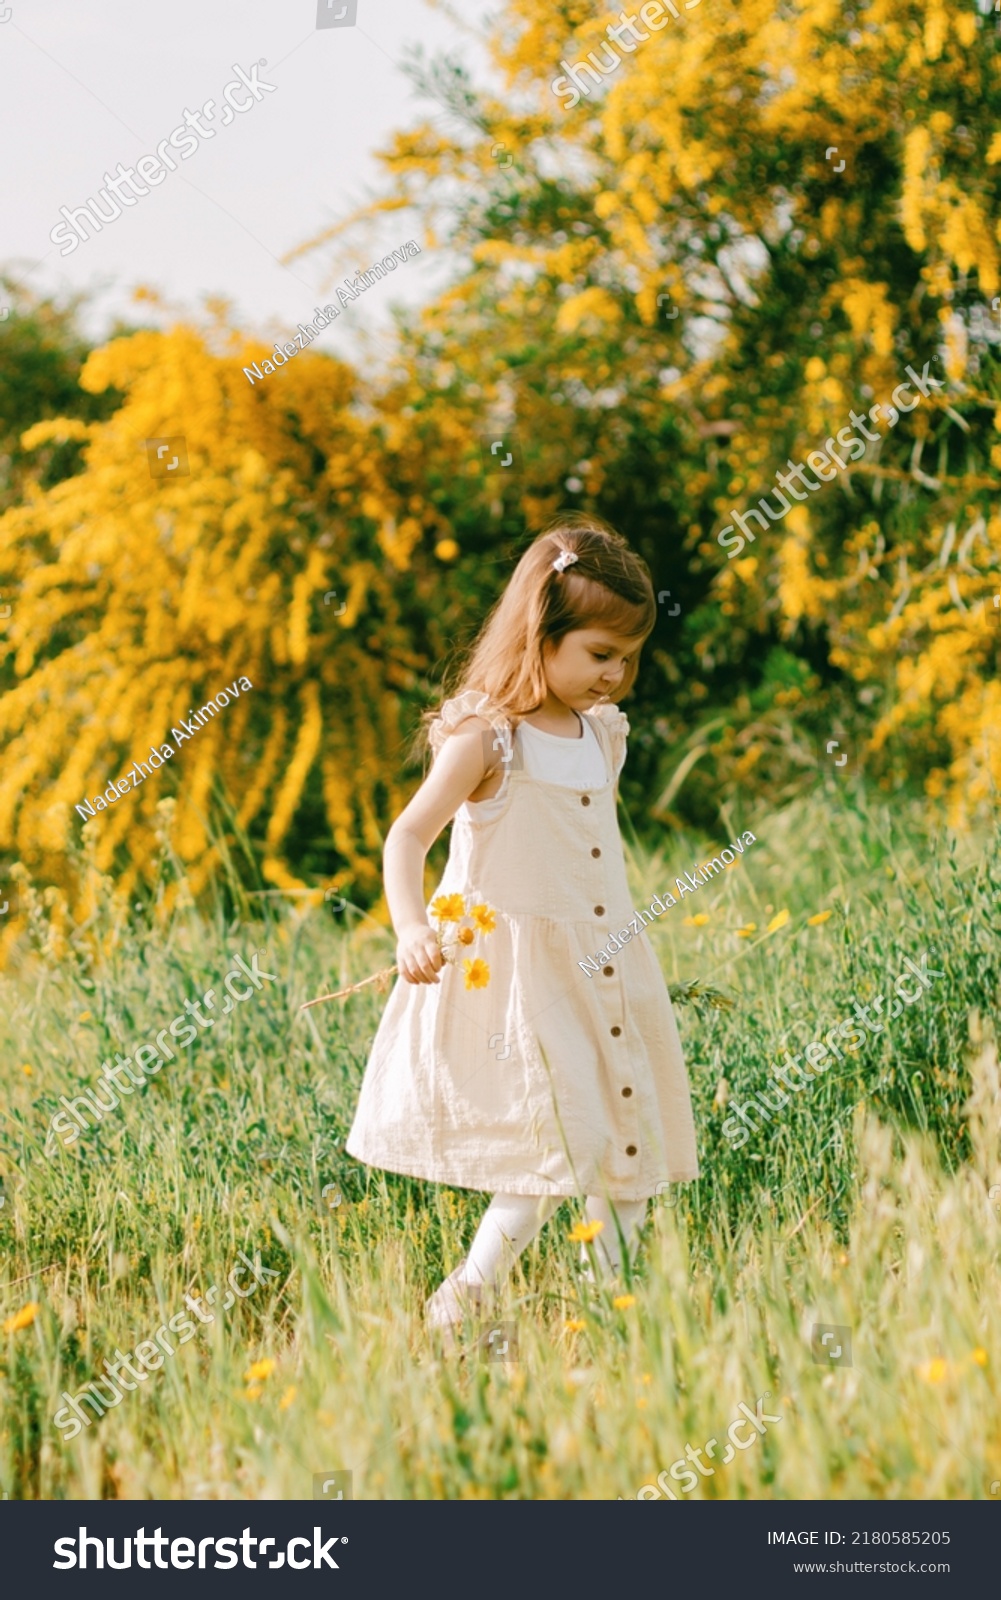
(547, 1081)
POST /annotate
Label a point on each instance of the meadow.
(865, 1205)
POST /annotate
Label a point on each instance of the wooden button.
(599, 911)
(615, 1032)
(630, 1149)
(608, 971)
(596, 852)
(626, 1093)
(585, 799)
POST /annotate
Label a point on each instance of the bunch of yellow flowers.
(451, 908)
(448, 908)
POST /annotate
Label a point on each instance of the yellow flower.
(698, 921)
(84, 1016)
(575, 1324)
(746, 931)
(465, 935)
(979, 1356)
(477, 973)
(446, 549)
(28, 1071)
(821, 916)
(259, 1370)
(622, 1302)
(448, 908)
(287, 1397)
(934, 1371)
(778, 921)
(584, 1232)
(485, 918)
(254, 1392)
(23, 1318)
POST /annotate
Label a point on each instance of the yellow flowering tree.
(695, 247)
(141, 596)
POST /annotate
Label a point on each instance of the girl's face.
(588, 665)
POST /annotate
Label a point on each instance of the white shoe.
(452, 1302)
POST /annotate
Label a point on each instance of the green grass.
(857, 1206)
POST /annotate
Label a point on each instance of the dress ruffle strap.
(473, 703)
(616, 725)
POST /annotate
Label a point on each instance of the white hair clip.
(565, 559)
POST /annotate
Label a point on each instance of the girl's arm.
(459, 769)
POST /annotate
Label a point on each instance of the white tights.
(511, 1222)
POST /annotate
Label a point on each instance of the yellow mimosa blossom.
(448, 908)
(477, 973)
(584, 1232)
(485, 918)
(818, 918)
(622, 1302)
(778, 921)
(23, 1318)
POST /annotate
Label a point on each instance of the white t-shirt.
(576, 763)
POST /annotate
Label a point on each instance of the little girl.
(548, 1082)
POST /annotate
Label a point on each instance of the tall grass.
(856, 1206)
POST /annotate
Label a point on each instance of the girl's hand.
(418, 955)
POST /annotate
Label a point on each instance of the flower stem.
(353, 988)
(387, 972)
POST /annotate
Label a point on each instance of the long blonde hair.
(608, 586)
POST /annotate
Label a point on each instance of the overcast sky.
(86, 86)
